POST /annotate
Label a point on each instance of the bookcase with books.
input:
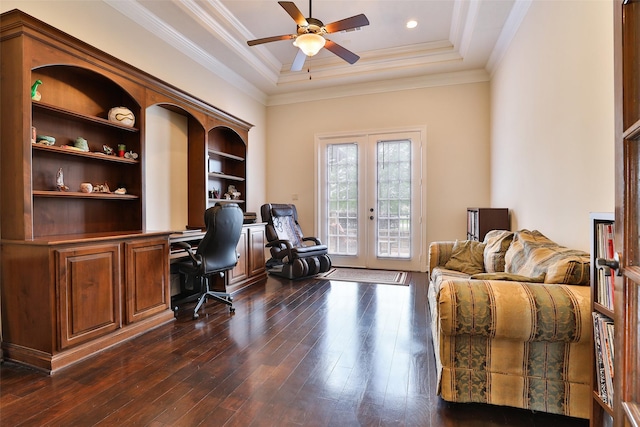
(602, 300)
(482, 220)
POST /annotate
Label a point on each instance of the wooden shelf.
(226, 155)
(225, 176)
(63, 112)
(602, 309)
(79, 195)
(85, 154)
(599, 401)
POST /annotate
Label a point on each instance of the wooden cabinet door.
(88, 292)
(256, 250)
(146, 278)
(627, 291)
(241, 272)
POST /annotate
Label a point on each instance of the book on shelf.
(603, 340)
(605, 277)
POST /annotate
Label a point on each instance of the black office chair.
(293, 255)
(216, 253)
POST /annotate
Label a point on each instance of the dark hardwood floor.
(304, 353)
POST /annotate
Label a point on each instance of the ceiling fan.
(310, 33)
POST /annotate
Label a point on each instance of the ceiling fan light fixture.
(309, 43)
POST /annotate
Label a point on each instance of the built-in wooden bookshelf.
(602, 308)
(79, 270)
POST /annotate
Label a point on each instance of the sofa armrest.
(439, 253)
(514, 310)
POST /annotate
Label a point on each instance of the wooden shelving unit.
(95, 275)
(482, 220)
(602, 298)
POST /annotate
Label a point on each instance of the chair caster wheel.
(232, 310)
(195, 316)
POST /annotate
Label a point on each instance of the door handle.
(613, 264)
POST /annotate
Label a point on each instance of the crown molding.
(509, 30)
(391, 85)
(141, 16)
(378, 61)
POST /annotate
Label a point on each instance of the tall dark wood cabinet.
(79, 270)
(482, 220)
(626, 401)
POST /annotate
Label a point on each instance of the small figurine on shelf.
(121, 149)
(60, 181)
(216, 193)
(107, 150)
(101, 188)
(232, 193)
(81, 144)
(131, 155)
(35, 95)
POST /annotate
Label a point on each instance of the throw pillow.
(570, 267)
(467, 256)
(497, 242)
(532, 254)
(508, 276)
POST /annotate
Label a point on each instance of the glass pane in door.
(394, 199)
(342, 198)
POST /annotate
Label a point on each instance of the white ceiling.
(453, 37)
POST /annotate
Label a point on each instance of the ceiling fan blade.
(294, 12)
(347, 24)
(340, 51)
(271, 39)
(298, 62)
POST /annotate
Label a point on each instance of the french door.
(370, 198)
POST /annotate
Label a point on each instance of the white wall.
(101, 26)
(166, 174)
(457, 153)
(552, 128)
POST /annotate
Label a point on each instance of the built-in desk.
(251, 264)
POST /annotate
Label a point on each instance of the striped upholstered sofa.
(510, 319)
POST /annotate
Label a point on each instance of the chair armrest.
(287, 244)
(187, 247)
(312, 239)
(439, 253)
(519, 311)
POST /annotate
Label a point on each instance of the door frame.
(419, 260)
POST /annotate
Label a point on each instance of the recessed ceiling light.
(412, 24)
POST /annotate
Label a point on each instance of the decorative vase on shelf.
(122, 115)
